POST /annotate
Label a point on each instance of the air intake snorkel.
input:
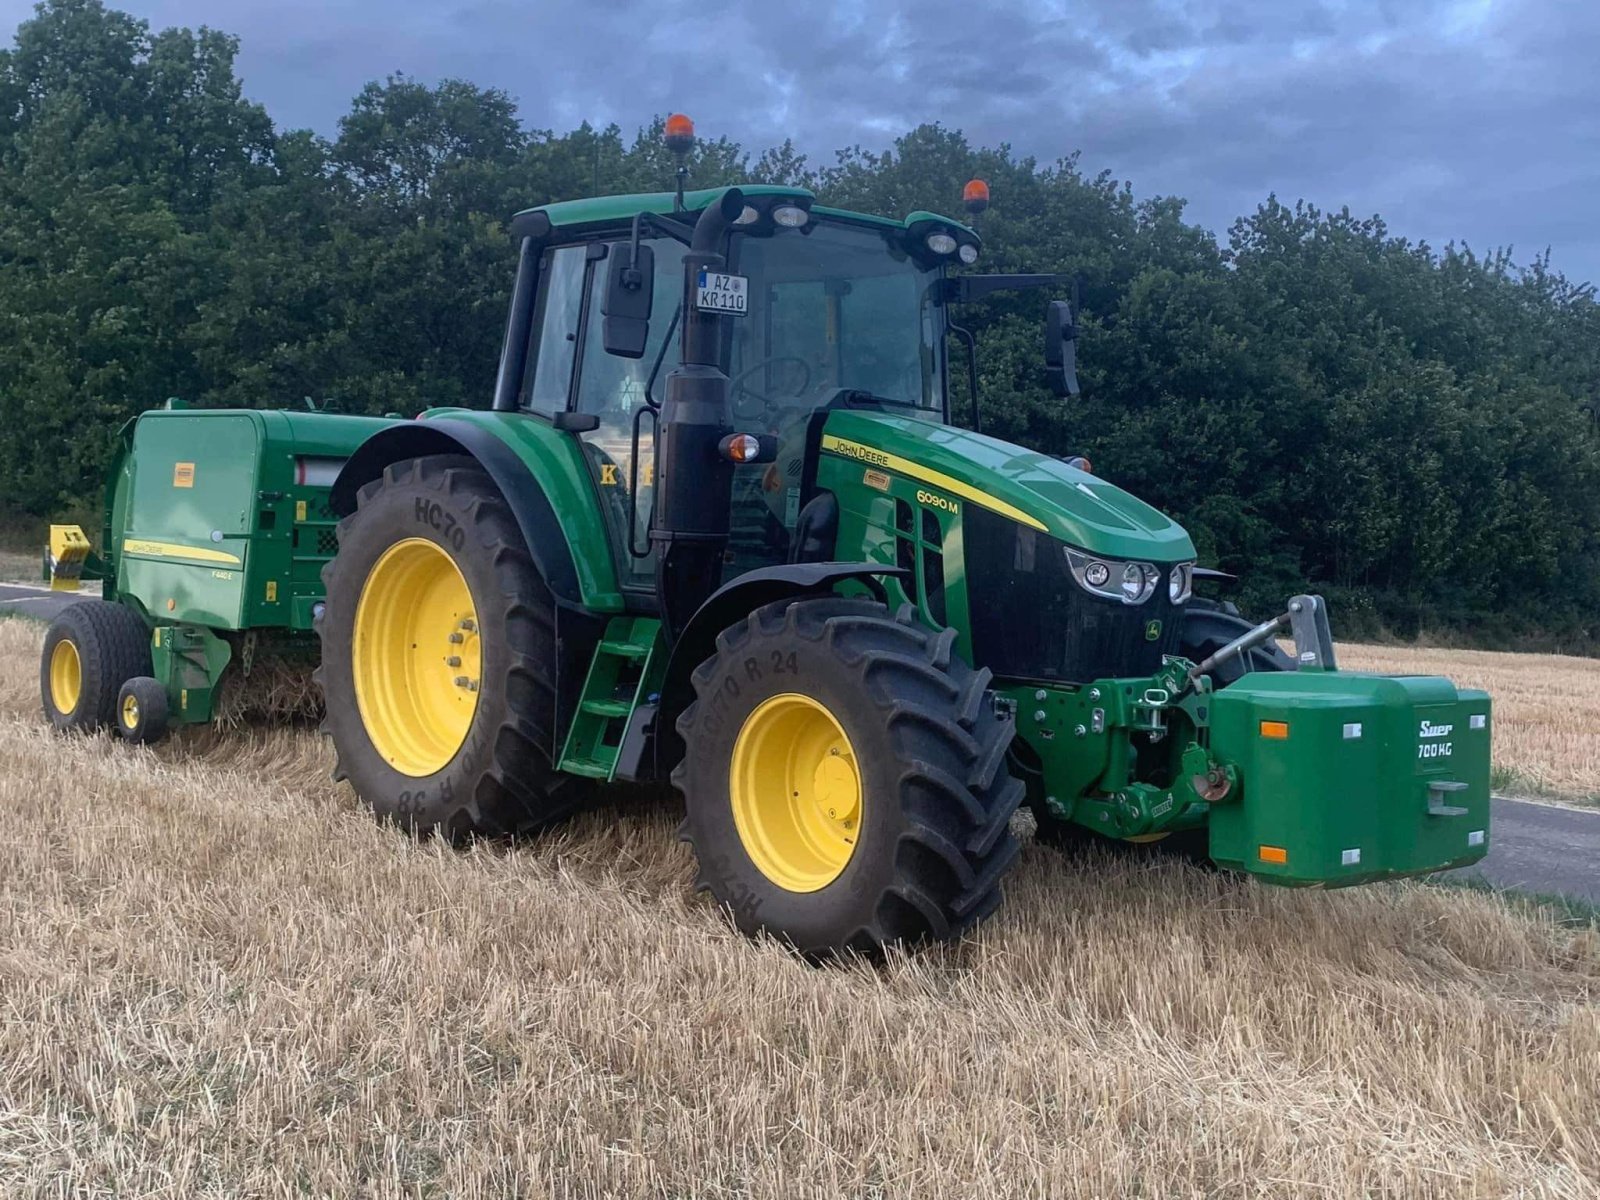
(694, 480)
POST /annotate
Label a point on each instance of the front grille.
(1031, 620)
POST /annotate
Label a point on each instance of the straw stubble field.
(217, 978)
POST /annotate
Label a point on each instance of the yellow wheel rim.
(416, 657)
(130, 712)
(66, 677)
(796, 792)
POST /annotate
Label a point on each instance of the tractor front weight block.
(1350, 778)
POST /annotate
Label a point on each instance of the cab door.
(617, 393)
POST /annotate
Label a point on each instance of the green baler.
(217, 528)
(718, 528)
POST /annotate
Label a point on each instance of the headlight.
(1129, 582)
(790, 216)
(969, 253)
(1180, 582)
(941, 243)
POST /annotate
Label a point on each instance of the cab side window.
(555, 330)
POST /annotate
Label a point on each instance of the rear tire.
(90, 650)
(451, 658)
(920, 840)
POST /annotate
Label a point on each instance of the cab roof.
(615, 210)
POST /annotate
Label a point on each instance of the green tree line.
(1323, 404)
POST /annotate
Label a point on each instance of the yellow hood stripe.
(873, 457)
(172, 550)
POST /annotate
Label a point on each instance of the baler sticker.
(183, 475)
(872, 456)
(170, 550)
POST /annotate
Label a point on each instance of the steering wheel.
(746, 412)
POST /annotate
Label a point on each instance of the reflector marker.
(1274, 854)
(1475, 838)
(1275, 729)
(1352, 730)
(1478, 720)
(1350, 858)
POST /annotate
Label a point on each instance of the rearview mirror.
(630, 289)
(1061, 348)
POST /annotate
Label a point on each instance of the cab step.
(624, 672)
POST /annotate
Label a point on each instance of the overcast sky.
(1475, 120)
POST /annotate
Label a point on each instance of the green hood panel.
(1024, 485)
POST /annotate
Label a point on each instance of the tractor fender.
(732, 601)
(523, 493)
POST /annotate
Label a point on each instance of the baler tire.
(142, 710)
(111, 643)
(932, 839)
(500, 780)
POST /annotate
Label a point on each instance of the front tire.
(845, 780)
(439, 657)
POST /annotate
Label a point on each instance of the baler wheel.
(845, 778)
(439, 657)
(90, 650)
(142, 710)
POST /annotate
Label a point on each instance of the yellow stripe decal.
(893, 462)
(170, 550)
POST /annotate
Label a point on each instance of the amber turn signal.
(740, 448)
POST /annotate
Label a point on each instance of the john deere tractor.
(717, 528)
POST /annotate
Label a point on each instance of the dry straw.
(218, 978)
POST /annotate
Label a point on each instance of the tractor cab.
(826, 309)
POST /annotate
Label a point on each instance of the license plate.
(722, 293)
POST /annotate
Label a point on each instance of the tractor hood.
(1032, 488)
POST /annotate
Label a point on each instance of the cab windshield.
(832, 306)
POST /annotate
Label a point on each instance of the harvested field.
(218, 978)
(1546, 711)
(18, 566)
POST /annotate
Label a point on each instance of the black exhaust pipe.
(694, 482)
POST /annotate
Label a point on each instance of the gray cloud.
(1475, 120)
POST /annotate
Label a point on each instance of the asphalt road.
(1537, 847)
(1542, 848)
(36, 600)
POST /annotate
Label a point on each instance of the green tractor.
(717, 528)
